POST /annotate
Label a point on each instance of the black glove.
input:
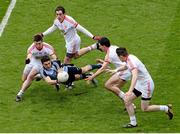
(27, 61)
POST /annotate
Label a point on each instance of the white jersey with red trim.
(134, 62)
(38, 54)
(112, 57)
(67, 27)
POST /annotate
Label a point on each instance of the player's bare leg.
(130, 109)
(114, 84)
(146, 107)
(26, 84)
(85, 50)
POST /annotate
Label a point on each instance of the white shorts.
(30, 67)
(146, 87)
(124, 75)
(74, 45)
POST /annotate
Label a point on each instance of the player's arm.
(99, 71)
(27, 60)
(86, 32)
(134, 79)
(49, 30)
(49, 81)
(53, 56)
(113, 71)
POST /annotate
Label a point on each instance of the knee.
(144, 108)
(127, 101)
(107, 85)
(30, 77)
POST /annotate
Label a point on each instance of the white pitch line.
(7, 15)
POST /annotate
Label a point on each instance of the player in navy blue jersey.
(51, 69)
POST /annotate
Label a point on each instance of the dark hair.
(37, 38)
(60, 8)
(121, 51)
(44, 59)
(104, 42)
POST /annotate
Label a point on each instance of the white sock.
(121, 95)
(21, 92)
(92, 47)
(133, 120)
(164, 108)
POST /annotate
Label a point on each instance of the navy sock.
(96, 66)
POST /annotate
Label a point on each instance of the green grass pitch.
(149, 29)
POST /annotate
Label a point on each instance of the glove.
(27, 61)
(97, 37)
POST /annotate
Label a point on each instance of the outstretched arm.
(113, 71)
(86, 32)
(99, 71)
(49, 30)
(49, 81)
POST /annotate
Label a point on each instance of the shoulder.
(46, 45)
(69, 19)
(31, 47)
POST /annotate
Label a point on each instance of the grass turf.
(149, 29)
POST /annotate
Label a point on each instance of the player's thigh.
(26, 71)
(144, 104)
(33, 72)
(115, 80)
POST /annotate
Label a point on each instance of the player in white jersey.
(117, 80)
(68, 26)
(141, 85)
(33, 62)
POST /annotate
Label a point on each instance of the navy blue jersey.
(52, 72)
(72, 71)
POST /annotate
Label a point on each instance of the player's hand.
(97, 37)
(111, 71)
(89, 78)
(99, 61)
(128, 93)
(27, 61)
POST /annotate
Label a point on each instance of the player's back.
(134, 62)
(113, 57)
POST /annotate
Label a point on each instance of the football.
(62, 76)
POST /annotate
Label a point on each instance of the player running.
(141, 85)
(116, 81)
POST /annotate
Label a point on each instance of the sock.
(133, 120)
(92, 47)
(164, 108)
(21, 92)
(96, 66)
(121, 95)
